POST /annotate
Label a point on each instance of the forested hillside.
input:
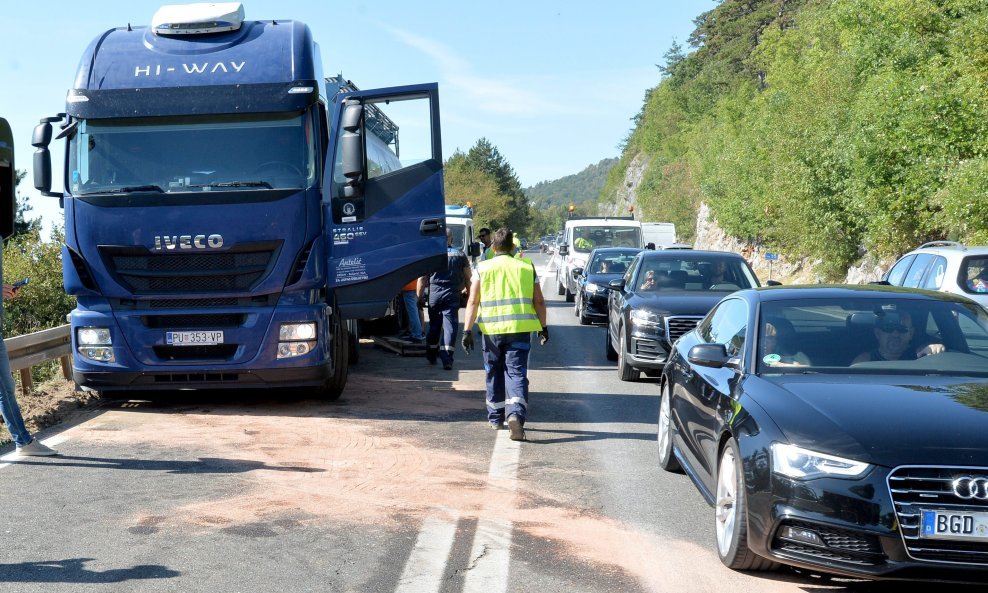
(823, 128)
(578, 188)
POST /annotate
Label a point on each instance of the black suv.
(663, 295)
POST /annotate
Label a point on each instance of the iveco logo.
(967, 488)
(162, 242)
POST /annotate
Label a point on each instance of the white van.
(660, 234)
(583, 235)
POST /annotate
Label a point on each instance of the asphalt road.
(398, 487)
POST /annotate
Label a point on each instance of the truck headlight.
(803, 464)
(95, 343)
(296, 339)
(297, 331)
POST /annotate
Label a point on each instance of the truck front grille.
(143, 272)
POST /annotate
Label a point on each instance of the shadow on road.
(204, 465)
(73, 570)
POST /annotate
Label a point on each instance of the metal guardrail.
(33, 349)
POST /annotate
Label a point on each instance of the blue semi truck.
(226, 214)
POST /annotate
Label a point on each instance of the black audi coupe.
(838, 429)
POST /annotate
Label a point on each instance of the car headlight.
(645, 318)
(802, 464)
(591, 287)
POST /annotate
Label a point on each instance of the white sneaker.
(35, 449)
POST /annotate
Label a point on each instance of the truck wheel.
(353, 340)
(340, 349)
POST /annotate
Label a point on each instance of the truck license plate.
(955, 525)
(194, 338)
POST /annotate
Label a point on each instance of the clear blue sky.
(553, 84)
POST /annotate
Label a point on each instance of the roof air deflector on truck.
(196, 19)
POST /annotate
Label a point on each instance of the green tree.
(464, 183)
(485, 157)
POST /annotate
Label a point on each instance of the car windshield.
(694, 273)
(588, 238)
(611, 263)
(190, 154)
(872, 336)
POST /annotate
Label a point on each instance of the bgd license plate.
(194, 338)
(955, 525)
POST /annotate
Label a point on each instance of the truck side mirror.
(40, 139)
(352, 145)
(474, 250)
(564, 249)
(8, 179)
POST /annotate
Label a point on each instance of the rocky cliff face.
(709, 235)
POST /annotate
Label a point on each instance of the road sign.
(771, 256)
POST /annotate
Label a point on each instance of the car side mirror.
(616, 284)
(577, 271)
(708, 355)
(563, 249)
(880, 283)
(773, 283)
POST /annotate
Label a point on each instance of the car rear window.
(974, 275)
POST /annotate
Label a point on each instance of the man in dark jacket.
(444, 303)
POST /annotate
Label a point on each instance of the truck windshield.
(588, 238)
(189, 154)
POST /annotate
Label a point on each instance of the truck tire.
(353, 340)
(340, 349)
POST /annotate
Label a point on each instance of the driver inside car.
(894, 332)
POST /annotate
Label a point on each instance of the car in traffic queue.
(837, 429)
(663, 295)
(947, 266)
(603, 265)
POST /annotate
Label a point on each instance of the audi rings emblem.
(969, 488)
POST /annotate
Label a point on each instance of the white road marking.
(490, 556)
(426, 567)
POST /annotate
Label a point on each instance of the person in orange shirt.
(414, 332)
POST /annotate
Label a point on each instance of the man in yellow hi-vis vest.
(506, 302)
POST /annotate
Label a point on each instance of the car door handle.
(431, 226)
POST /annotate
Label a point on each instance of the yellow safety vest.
(507, 286)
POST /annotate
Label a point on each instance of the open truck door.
(386, 210)
(8, 179)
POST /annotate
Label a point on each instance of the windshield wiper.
(264, 184)
(132, 189)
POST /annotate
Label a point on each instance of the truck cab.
(459, 220)
(225, 215)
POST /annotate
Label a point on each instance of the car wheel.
(667, 459)
(576, 306)
(626, 372)
(584, 319)
(731, 514)
(609, 350)
(570, 296)
(560, 289)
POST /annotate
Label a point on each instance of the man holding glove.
(507, 303)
